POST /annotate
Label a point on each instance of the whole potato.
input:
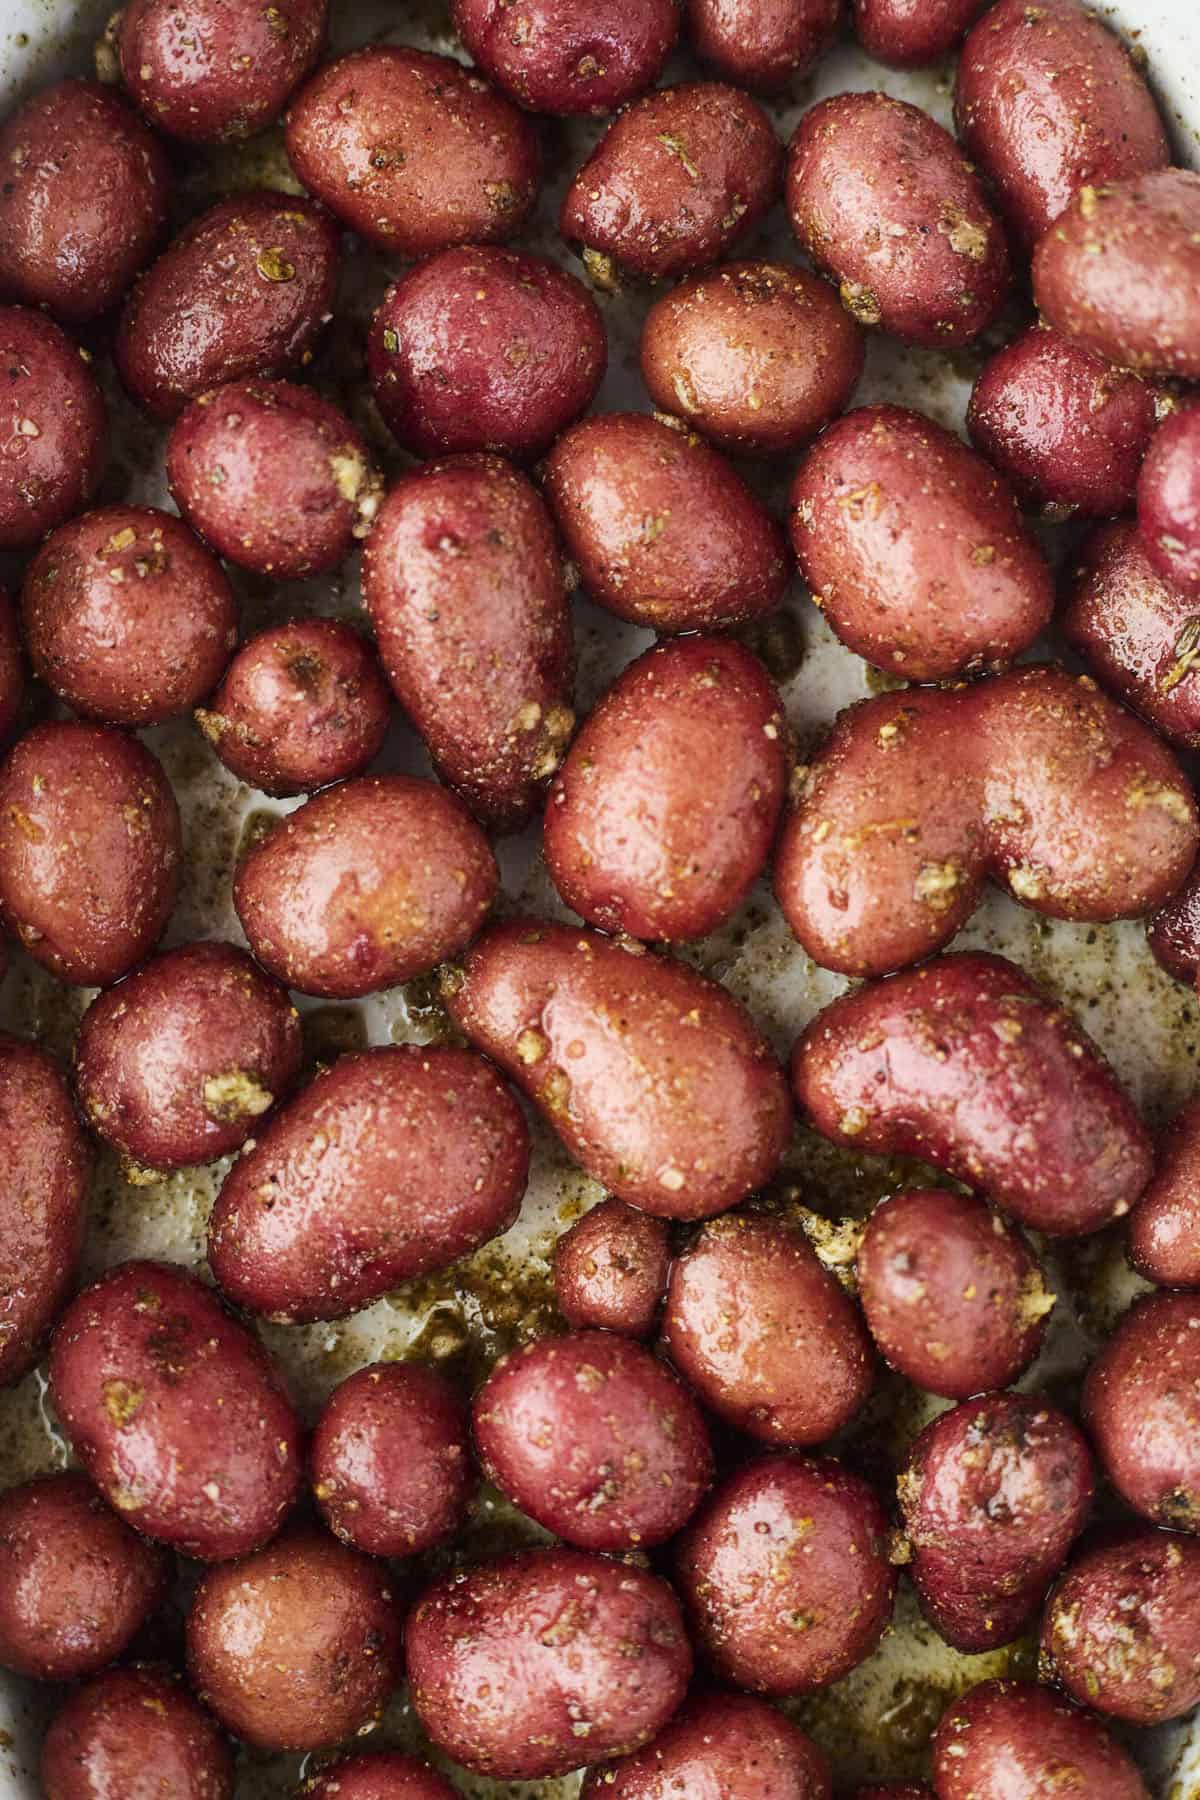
(176, 1412)
(1009, 1738)
(1168, 500)
(663, 531)
(655, 1079)
(138, 1733)
(965, 1063)
(610, 1269)
(380, 1775)
(1173, 933)
(911, 34)
(765, 44)
(57, 446)
(413, 151)
(719, 1747)
(544, 1661)
(562, 56)
(89, 850)
(1141, 1406)
(1164, 1227)
(392, 1163)
(891, 515)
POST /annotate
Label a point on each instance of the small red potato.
(965, 1063)
(1168, 501)
(954, 1299)
(662, 817)
(83, 201)
(767, 44)
(12, 670)
(785, 1574)
(244, 291)
(663, 531)
(563, 56)
(366, 885)
(89, 850)
(380, 1775)
(137, 1733)
(1164, 1227)
(677, 179)
(719, 1747)
(1067, 429)
(391, 1460)
(76, 1584)
(413, 151)
(595, 1439)
(216, 71)
(128, 618)
(884, 202)
(1173, 933)
(912, 34)
(55, 432)
(1141, 1406)
(485, 349)
(176, 1412)
(534, 1664)
(610, 1270)
(1049, 98)
(1005, 1739)
(1120, 273)
(766, 1337)
(392, 1163)
(914, 549)
(296, 1646)
(653, 1076)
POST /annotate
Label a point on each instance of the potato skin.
(765, 1336)
(719, 1747)
(883, 200)
(1168, 500)
(1141, 1410)
(890, 515)
(677, 179)
(765, 45)
(1173, 933)
(561, 56)
(84, 199)
(89, 850)
(663, 531)
(966, 1064)
(1014, 1737)
(470, 166)
(59, 449)
(787, 1537)
(912, 34)
(663, 814)
(135, 1732)
(366, 885)
(243, 291)
(393, 1162)
(683, 1112)
(12, 669)
(610, 1270)
(379, 1775)
(176, 1412)
(1164, 1227)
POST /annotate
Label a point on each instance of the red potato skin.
(787, 1539)
(176, 1412)
(914, 548)
(1141, 1409)
(366, 885)
(83, 203)
(766, 45)
(912, 34)
(719, 1747)
(1049, 103)
(1173, 933)
(89, 850)
(562, 56)
(380, 1775)
(611, 1268)
(965, 1063)
(469, 168)
(663, 814)
(392, 1163)
(534, 1664)
(1008, 1738)
(676, 181)
(1164, 1227)
(12, 669)
(138, 1733)
(953, 1298)
(244, 291)
(764, 1335)
(1168, 501)
(885, 203)
(663, 531)
(57, 430)
(655, 1079)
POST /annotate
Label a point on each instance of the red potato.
(663, 531)
(677, 179)
(912, 34)
(883, 200)
(413, 151)
(965, 1063)
(766, 1337)
(366, 885)
(1005, 1739)
(1173, 933)
(380, 1775)
(537, 1663)
(719, 1747)
(564, 57)
(1164, 1227)
(89, 850)
(914, 549)
(485, 349)
(296, 1646)
(610, 1270)
(1141, 1406)
(390, 1164)
(127, 616)
(663, 814)
(55, 431)
(137, 1733)
(785, 1575)
(1168, 501)
(12, 670)
(954, 1299)
(176, 1412)
(83, 202)
(245, 290)
(1047, 101)
(765, 45)
(655, 1079)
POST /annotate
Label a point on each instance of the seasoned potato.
(1168, 500)
(719, 1744)
(1164, 1227)
(130, 1728)
(1011, 1737)
(1141, 1409)
(764, 43)
(610, 1269)
(57, 446)
(562, 56)
(911, 34)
